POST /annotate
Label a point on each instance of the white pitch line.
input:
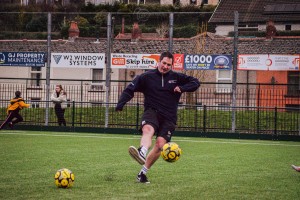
(239, 142)
(134, 137)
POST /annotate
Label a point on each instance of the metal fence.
(260, 109)
(209, 94)
(272, 121)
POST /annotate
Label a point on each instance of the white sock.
(144, 150)
(144, 170)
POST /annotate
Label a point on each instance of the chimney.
(270, 29)
(73, 30)
(136, 32)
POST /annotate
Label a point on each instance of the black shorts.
(162, 126)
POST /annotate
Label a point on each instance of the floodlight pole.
(171, 24)
(48, 69)
(108, 67)
(234, 71)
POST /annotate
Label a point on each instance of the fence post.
(275, 122)
(171, 22)
(81, 100)
(81, 91)
(204, 119)
(26, 86)
(73, 114)
(108, 69)
(48, 69)
(258, 96)
(234, 71)
(258, 111)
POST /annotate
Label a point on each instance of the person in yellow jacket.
(13, 116)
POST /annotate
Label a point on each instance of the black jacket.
(159, 92)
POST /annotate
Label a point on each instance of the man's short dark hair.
(168, 55)
(18, 93)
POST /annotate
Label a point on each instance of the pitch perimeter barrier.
(209, 93)
(193, 119)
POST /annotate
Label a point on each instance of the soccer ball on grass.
(171, 152)
(64, 178)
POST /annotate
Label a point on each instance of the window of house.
(204, 1)
(97, 79)
(224, 80)
(35, 75)
(293, 83)
(248, 27)
(288, 27)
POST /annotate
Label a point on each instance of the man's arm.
(126, 96)
(128, 93)
(187, 83)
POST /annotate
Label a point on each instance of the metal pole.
(48, 68)
(234, 71)
(108, 69)
(171, 18)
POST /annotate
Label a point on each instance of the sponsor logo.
(269, 62)
(296, 62)
(178, 62)
(241, 61)
(57, 58)
(2, 58)
(221, 61)
(118, 61)
(172, 81)
(254, 59)
(152, 57)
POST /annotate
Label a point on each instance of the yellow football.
(64, 178)
(171, 152)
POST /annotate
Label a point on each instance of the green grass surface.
(208, 168)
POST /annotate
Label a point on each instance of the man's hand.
(177, 89)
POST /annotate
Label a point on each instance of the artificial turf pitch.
(207, 169)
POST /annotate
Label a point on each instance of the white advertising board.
(78, 60)
(273, 62)
(134, 61)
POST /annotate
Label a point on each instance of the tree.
(99, 18)
(191, 98)
(162, 30)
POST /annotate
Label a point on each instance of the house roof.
(205, 44)
(257, 11)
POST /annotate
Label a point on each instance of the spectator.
(59, 98)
